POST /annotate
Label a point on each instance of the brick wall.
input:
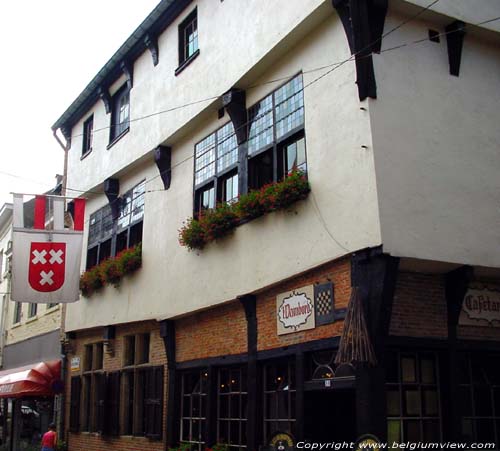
(223, 330)
(419, 307)
(86, 441)
(338, 272)
(215, 332)
(419, 310)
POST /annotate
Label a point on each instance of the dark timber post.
(456, 285)
(299, 395)
(375, 274)
(167, 332)
(249, 303)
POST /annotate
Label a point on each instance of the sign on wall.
(295, 310)
(75, 364)
(481, 307)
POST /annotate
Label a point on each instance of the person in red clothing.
(49, 439)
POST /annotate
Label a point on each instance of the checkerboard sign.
(323, 300)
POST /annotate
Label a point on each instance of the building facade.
(364, 307)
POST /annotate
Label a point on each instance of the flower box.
(222, 220)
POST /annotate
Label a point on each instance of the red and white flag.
(46, 262)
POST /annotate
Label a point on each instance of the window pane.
(408, 369)
(431, 431)
(208, 199)
(261, 125)
(227, 147)
(428, 374)
(465, 401)
(205, 159)
(393, 431)
(482, 401)
(138, 201)
(393, 402)
(411, 402)
(289, 103)
(431, 403)
(231, 188)
(411, 430)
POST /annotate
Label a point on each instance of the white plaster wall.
(340, 215)
(233, 37)
(436, 144)
(469, 11)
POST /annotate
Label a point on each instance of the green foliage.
(220, 221)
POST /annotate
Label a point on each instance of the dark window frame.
(275, 148)
(193, 407)
(117, 127)
(32, 309)
(288, 97)
(396, 384)
(93, 410)
(186, 55)
(283, 396)
(88, 135)
(18, 310)
(220, 170)
(107, 240)
(232, 394)
(478, 376)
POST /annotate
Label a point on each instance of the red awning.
(38, 379)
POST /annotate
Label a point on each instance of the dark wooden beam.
(456, 286)
(455, 33)
(128, 69)
(163, 160)
(234, 101)
(151, 42)
(375, 275)
(363, 22)
(112, 189)
(249, 303)
(167, 333)
(106, 98)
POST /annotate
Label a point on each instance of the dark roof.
(159, 19)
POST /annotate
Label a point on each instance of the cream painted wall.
(340, 215)
(468, 11)
(436, 144)
(229, 48)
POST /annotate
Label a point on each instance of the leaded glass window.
(479, 397)
(216, 175)
(413, 399)
(232, 407)
(279, 398)
(194, 390)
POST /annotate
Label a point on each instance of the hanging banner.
(46, 263)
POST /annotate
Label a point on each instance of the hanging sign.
(46, 262)
(295, 310)
(481, 307)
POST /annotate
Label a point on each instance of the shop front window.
(194, 386)
(279, 398)
(413, 401)
(479, 397)
(232, 407)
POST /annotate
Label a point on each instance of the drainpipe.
(62, 406)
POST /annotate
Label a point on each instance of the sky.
(50, 50)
